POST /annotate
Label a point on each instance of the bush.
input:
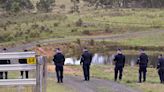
(86, 32)
(45, 5)
(62, 6)
(68, 25)
(34, 26)
(74, 30)
(92, 42)
(34, 34)
(78, 41)
(56, 24)
(16, 5)
(79, 23)
(108, 30)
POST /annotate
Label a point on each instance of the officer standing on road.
(59, 60)
(160, 67)
(86, 59)
(119, 64)
(23, 61)
(2, 62)
(142, 61)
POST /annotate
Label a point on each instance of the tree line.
(126, 3)
(19, 5)
(46, 5)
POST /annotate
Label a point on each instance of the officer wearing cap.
(143, 62)
(2, 62)
(160, 67)
(23, 61)
(59, 60)
(86, 59)
(119, 64)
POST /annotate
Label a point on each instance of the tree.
(125, 3)
(16, 5)
(45, 5)
(75, 7)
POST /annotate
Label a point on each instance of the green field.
(25, 27)
(150, 40)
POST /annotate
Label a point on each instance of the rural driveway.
(94, 85)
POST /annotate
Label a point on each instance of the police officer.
(2, 62)
(160, 67)
(86, 59)
(59, 60)
(142, 61)
(119, 64)
(23, 61)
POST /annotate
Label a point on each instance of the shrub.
(45, 5)
(68, 25)
(79, 22)
(74, 30)
(34, 34)
(34, 26)
(56, 24)
(86, 32)
(62, 6)
(92, 42)
(108, 29)
(16, 5)
(78, 41)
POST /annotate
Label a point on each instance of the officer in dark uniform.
(2, 62)
(23, 61)
(59, 60)
(119, 64)
(142, 61)
(86, 59)
(160, 67)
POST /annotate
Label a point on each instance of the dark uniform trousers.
(161, 74)
(120, 70)
(86, 69)
(59, 73)
(142, 73)
(4, 62)
(23, 61)
(1, 75)
(26, 72)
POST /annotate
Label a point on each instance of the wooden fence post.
(45, 74)
(37, 75)
(39, 70)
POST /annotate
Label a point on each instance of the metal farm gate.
(37, 71)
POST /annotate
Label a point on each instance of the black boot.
(61, 80)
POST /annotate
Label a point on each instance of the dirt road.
(94, 85)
